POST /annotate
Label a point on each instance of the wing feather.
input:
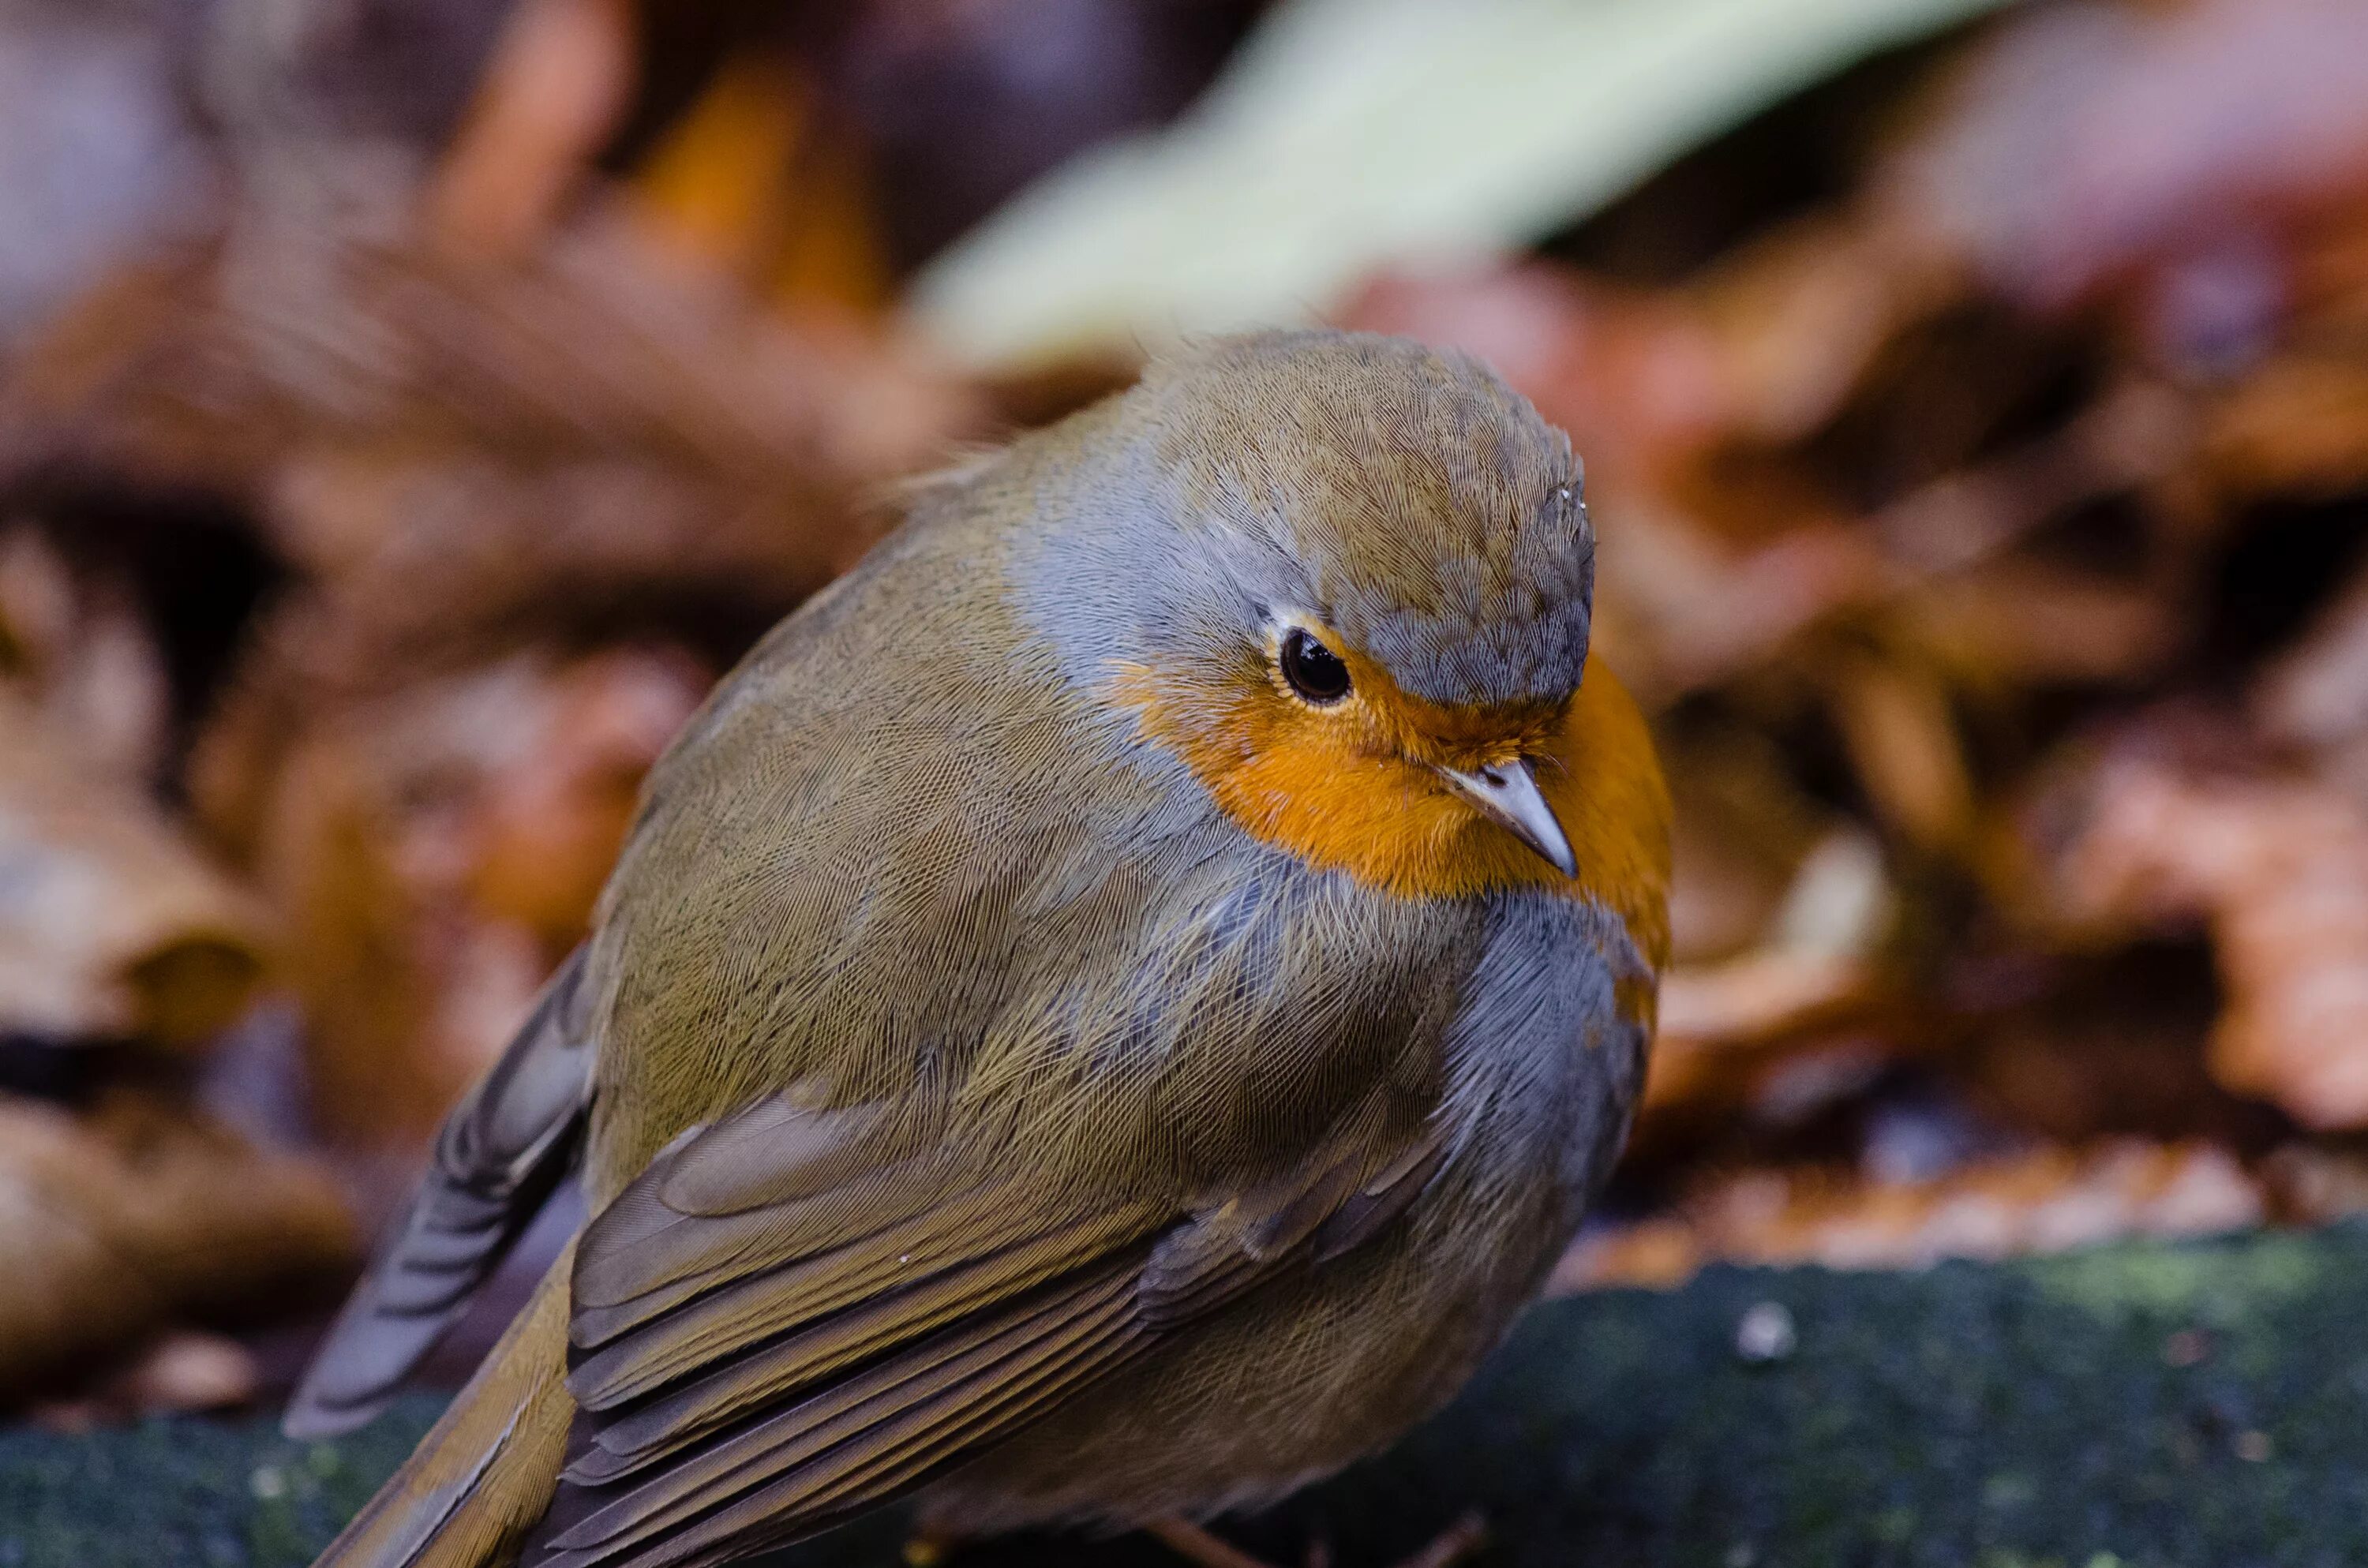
(857, 1444)
(644, 1278)
(498, 1157)
(740, 1382)
(784, 1352)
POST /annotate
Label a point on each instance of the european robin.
(1106, 1016)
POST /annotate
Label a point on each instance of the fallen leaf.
(2275, 865)
(112, 926)
(2052, 1199)
(760, 184)
(557, 84)
(433, 851)
(2168, 153)
(138, 1217)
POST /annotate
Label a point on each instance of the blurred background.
(409, 407)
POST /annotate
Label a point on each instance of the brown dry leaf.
(185, 1371)
(433, 851)
(74, 649)
(111, 925)
(1742, 828)
(1802, 314)
(1722, 889)
(2296, 428)
(2082, 1046)
(1649, 1255)
(2317, 1183)
(1729, 1028)
(1755, 998)
(758, 183)
(2296, 425)
(119, 1224)
(1726, 1026)
(2177, 147)
(474, 468)
(580, 370)
(555, 808)
(2135, 434)
(713, 191)
(467, 458)
(1902, 739)
(2315, 693)
(2276, 866)
(2022, 623)
(558, 83)
(1704, 614)
(2050, 1200)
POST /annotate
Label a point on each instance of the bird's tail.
(483, 1474)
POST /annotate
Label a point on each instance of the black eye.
(1313, 671)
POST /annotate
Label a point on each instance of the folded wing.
(798, 1314)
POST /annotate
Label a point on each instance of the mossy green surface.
(1971, 1416)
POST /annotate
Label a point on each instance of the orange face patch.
(1354, 787)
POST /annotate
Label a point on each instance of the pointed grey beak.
(1509, 791)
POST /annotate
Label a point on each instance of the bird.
(1104, 1016)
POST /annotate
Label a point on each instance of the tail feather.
(501, 1153)
(484, 1473)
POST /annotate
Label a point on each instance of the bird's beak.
(1509, 791)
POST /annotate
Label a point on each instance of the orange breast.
(1309, 786)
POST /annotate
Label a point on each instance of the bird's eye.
(1313, 671)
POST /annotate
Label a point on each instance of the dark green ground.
(2001, 1418)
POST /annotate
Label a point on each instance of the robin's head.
(1348, 579)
